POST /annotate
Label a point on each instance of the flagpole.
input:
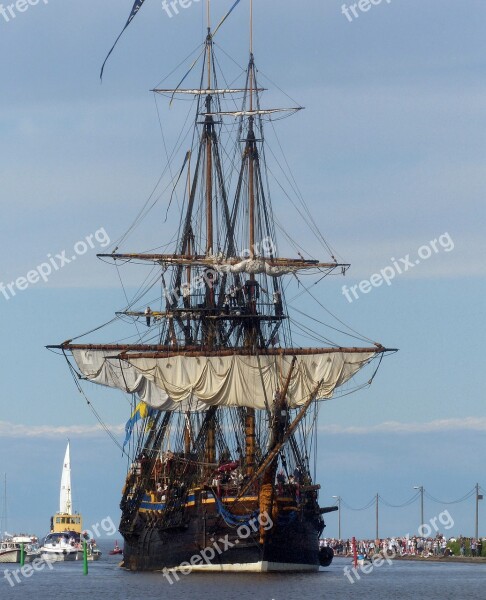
(209, 43)
(251, 26)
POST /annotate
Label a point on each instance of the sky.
(390, 156)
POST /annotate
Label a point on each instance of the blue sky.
(389, 153)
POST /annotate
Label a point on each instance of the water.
(400, 581)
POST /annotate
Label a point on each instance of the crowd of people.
(409, 546)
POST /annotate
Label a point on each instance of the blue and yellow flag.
(142, 411)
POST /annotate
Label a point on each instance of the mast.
(209, 150)
(209, 131)
(4, 515)
(250, 412)
(251, 136)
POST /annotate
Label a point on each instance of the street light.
(478, 498)
(338, 498)
(421, 490)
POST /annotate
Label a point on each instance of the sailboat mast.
(65, 503)
(5, 524)
(251, 166)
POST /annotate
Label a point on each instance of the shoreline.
(448, 559)
(478, 560)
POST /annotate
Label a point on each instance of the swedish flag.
(142, 411)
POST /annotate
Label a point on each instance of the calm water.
(400, 581)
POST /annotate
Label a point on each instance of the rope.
(76, 377)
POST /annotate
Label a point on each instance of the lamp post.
(338, 498)
(478, 498)
(377, 532)
(420, 488)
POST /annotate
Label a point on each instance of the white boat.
(64, 540)
(93, 552)
(9, 552)
(11, 549)
(59, 547)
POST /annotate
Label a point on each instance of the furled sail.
(256, 266)
(185, 381)
(275, 267)
(65, 499)
(203, 92)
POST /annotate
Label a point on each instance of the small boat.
(9, 552)
(116, 550)
(93, 552)
(59, 547)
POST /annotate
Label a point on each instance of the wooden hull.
(207, 543)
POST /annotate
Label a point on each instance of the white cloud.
(46, 431)
(440, 425)
(8, 429)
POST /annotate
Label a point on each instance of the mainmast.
(208, 135)
(252, 332)
(251, 147)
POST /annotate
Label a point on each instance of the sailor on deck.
(232, 293)
(186, 295)
(277, 303)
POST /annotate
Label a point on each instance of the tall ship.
(222, 434)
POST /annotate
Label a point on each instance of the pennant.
(225, 17)
(136, 7)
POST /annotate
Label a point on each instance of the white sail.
(200, 92)
(255, 266)
(252, 113)
(98, 367)
(182, 382)
(65, 502)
